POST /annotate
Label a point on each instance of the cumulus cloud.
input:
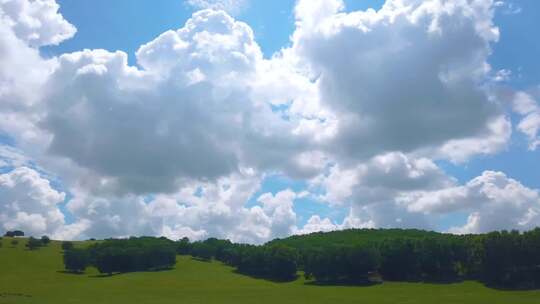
(360, 106)
(196, 211)
(403, 78)
(28, 202)
(408, 193)
(188, 114)
(380, 179)
(528, 108)
(37, 23)
(493, 201)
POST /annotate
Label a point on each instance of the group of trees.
(34, 243)
(276, 262)
(122, 255)
(500, 259)
(351, 264)
(14, 233)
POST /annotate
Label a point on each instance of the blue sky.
(126, 25)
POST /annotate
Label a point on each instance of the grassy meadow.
(37, 277)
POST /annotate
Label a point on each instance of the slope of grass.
(37, 277)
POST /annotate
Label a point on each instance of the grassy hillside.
(36, 277)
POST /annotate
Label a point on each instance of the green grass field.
(36, 277)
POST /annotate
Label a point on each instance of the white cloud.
(29, 203)
(317, 224)
(405, 78)
(380, 179)
(528, 108)
(179, 144)
(493, 201)
(36, 22)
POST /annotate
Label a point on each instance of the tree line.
(498, 259)
(359, 256)
(121, 255)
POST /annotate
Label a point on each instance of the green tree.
(76, 260)
(45, 240)
(67, 245)
(33, 243)
(183, 246)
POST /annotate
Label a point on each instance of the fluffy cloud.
(405, 78)
(196, 211)
(395, 190)
(28, 202)
(380, 179)
(178, 145)
(528, 108)
(188, 114)
(493, 201)
(37, 23)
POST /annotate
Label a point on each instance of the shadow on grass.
(107, 275)
(70, 272)
(267, 278)
(201, 259)
(525, 287)
(344, 283)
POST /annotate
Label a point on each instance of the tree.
(201, 250)
(67, 245)
(281, 262)
(14, 233)
(76, 260)
(183, 246)
(45, 240)
(14, 243)
(33, 243)
(399, 260)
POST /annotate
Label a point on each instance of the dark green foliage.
(202, 250)
(76, 260)
(183, 247)
(133, 254)
(14, 233)
(45, 240)
(67, 245)
(277, 262)
(14, 243)
(342, 264)
(511, 259)
(500, 259)
(399, 259)
(33, 243)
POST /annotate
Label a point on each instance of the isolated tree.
(45, 240)
(76, 260)
(14, 243)
(33, 243)
(67, 245)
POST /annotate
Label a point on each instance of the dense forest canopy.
(358, 256)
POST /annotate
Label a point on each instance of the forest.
(503, 259)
